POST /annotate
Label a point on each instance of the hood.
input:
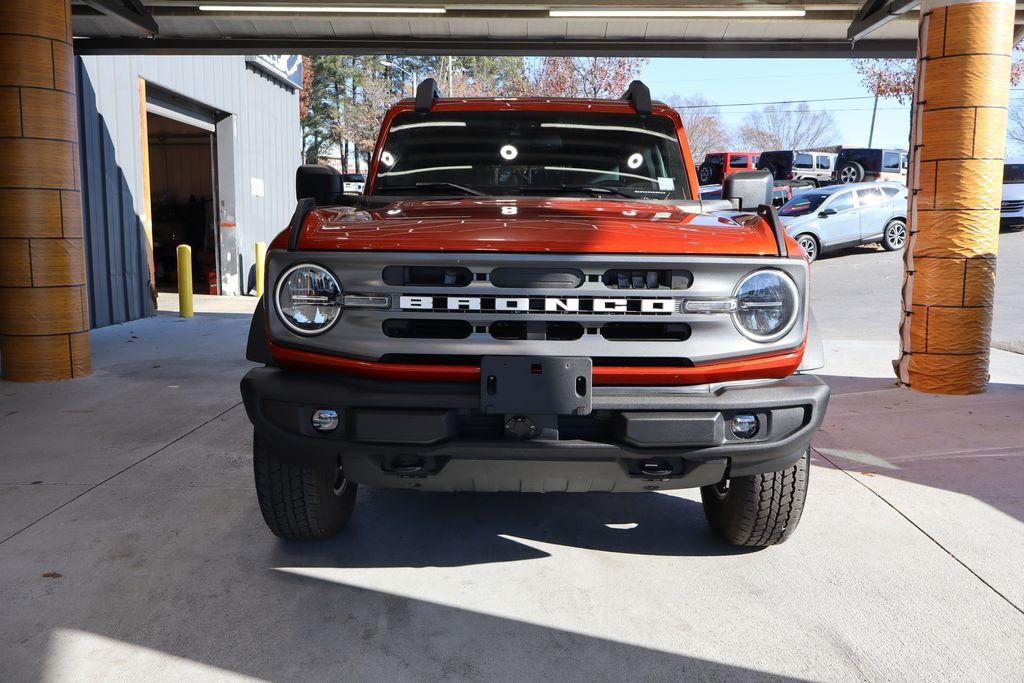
(793, 222)
(544, 225)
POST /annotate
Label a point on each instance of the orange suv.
(530, 296)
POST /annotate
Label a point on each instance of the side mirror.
(320, 183)
(748, 189)
(827, 212)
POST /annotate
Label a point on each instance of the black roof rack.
(640, 95)
(426, 93)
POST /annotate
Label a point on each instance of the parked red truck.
(530, 296)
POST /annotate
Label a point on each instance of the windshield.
(512, 153)
(803, 203)
(1013, 174)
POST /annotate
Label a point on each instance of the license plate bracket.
(536, 385)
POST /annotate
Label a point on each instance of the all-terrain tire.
(758, 510)
(301, 503)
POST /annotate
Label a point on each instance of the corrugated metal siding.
(267, 147)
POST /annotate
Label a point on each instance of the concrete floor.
(131, 545)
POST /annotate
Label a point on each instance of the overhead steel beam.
(132, 12)
(401, 45)
(875, 14)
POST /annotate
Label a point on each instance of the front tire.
(810, 246)
(758, 510)
(301, 503)
(895, 235)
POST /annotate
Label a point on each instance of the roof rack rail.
(426, 92)
(640, 95)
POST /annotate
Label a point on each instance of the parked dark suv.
(788, 164)
(870, 164)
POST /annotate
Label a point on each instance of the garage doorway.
(183, 193)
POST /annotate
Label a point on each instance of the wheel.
(705, 175)
(773, 169)
(851, 172)
(895, 235)
(301, 503)
(810, 245)
(758, 510)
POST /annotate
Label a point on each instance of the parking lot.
(133, 545)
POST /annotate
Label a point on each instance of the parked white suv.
(1011, 215)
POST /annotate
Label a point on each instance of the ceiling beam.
(875, 14)
(400, 45)
(131, 12)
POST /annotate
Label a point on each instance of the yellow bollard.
(185, 308)
(261, 266)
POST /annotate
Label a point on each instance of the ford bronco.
(530, 296)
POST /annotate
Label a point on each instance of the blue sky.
(726, 81)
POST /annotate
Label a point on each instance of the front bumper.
(434, 436)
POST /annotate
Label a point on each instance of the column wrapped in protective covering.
(956, 174)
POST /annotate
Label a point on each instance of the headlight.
(767, 305)
(308, 299)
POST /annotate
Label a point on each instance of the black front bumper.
(433, 435)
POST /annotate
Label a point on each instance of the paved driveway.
(131, 545)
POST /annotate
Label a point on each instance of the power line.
(755, 104)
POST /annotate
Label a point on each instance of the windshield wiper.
(592, 190)
(436, 186)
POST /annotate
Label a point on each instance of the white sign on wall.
(257, 186)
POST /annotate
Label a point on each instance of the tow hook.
(652, 469)
(407, 466)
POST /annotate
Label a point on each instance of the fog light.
(325, 420)
(745, 426)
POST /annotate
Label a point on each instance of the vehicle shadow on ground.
(393, 528)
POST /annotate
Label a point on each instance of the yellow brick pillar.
(44, 321)
(956, 171)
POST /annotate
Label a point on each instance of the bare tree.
(598, 77)
(894, 78)
(1015, 125)
(705, 128)
(779, 126)
(361, 120)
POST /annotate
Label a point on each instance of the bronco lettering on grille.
(541, 304)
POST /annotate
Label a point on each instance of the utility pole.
(874, 110)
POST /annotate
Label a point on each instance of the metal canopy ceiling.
(524, 27)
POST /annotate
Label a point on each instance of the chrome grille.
(1012, 206)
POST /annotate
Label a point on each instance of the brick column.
(44, 321)
(956, 173)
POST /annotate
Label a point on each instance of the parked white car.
(1011, 215)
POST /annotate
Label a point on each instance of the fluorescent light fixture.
(690, 13)
(323, 9)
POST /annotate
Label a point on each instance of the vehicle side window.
(869, 197)
(905, 161)
(740, 161)
(891, 192)
(803, 161)
(841, 202)
(891, 162)
(824, 162)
